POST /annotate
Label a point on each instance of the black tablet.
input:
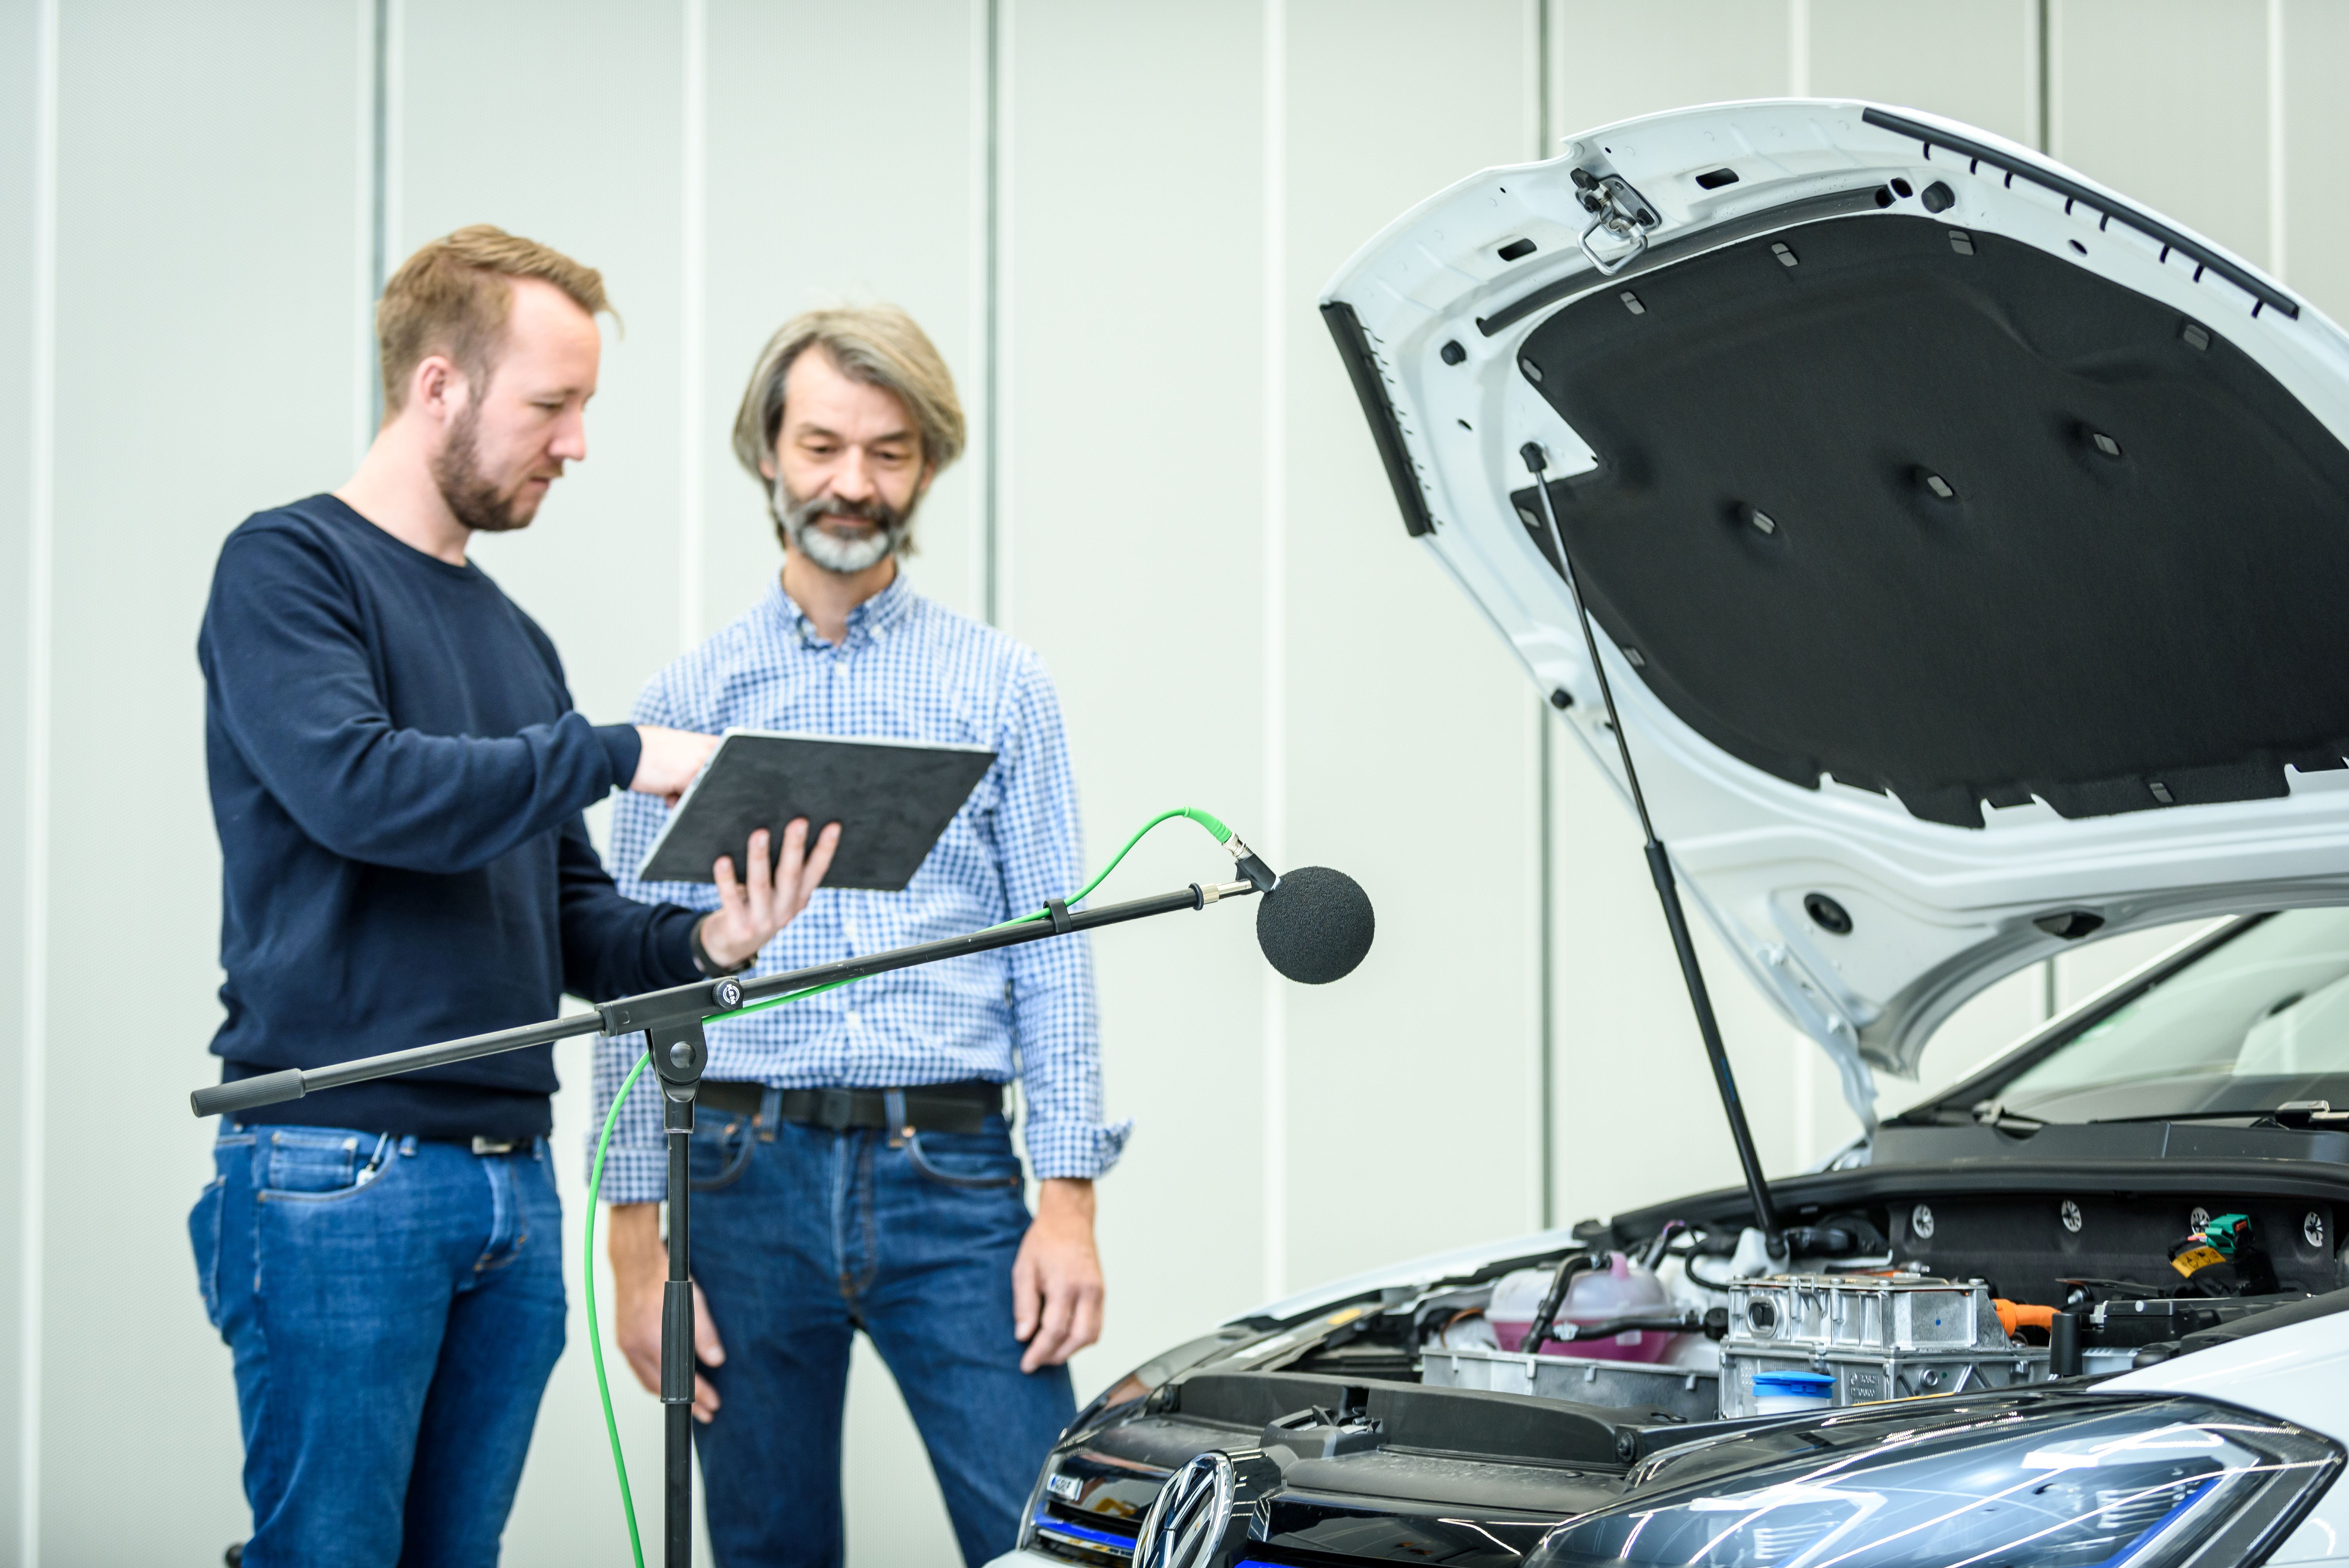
(891, 798)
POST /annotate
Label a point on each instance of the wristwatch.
(710, 966)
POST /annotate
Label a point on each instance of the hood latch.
(1621, 213)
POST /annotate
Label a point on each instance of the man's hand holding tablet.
(750, 913)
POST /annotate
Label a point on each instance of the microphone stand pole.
(672, 1024)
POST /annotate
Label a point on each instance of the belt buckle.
(836, 1108)
(493, 1145)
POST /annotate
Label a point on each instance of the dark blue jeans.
(394, 1308)
(814, 1236)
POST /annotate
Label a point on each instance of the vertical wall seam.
(40, 567)
(2275, 141)
(1544, 803)
(692, 487)
(2035, 73)
(979, 212)
(1275, 621)
(990, 316)
(389, 223)
(2051, 78)
(367, 204)
(378, 197)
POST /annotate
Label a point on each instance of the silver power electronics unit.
(1879, 1337)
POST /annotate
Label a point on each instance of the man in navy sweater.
(397, 777)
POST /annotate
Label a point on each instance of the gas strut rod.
(1660, 867)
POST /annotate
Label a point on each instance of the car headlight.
(2046, 1480)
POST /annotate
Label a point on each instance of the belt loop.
(771, 1113)
(893, 1113)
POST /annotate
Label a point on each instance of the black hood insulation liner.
(1936, 513)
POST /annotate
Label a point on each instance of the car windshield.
(2256, 1022)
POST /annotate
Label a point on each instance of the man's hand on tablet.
(751, 910)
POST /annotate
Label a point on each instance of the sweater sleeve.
(286, 653)
(612, 944)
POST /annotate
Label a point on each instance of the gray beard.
(845, 557)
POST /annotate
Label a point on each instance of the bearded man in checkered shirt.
(816, 1214)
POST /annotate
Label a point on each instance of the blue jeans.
(814, 1234)
(395, 1307)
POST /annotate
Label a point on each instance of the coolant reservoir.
(1622, 1289)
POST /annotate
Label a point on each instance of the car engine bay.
(1459, 1418)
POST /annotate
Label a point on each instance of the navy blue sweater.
(397, 776)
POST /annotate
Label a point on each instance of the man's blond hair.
(453, 296)
(877, 345)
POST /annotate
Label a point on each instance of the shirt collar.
(875, 615)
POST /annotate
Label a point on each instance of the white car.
(1946, 559)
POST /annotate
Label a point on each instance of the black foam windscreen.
(1316, 926)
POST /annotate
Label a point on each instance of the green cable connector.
(595, 1177)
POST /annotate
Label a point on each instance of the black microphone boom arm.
(671, 1022)
(698, 1003)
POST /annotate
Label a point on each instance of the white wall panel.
(204, 363)
(2312, 42)
(818, 195)
(1614, 61)
(1134, 444)
(563, 121)
(1973, 60)
(2167, 100)
(1409, 756)
(22, 229)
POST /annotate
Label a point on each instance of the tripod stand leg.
(678, 1053)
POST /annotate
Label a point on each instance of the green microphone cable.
(1214, 825)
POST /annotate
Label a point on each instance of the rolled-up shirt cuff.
(633, 1172)
(1076, 1149)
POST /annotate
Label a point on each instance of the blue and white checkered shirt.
(907, 670)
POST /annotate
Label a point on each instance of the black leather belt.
(930, 1107)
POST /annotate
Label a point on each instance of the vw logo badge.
(1186, 1520)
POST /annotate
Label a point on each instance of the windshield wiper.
(2292, 1113)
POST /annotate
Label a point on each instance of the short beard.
(472, 497)
(796, 522)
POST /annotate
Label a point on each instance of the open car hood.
(1969, 547)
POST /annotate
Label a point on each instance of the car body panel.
(2300, 1372)
(1937, 912)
